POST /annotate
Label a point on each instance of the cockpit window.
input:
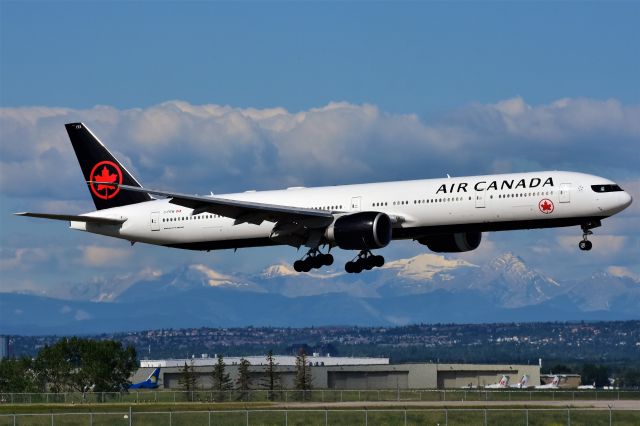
(605, 188)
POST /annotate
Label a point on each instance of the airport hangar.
(346, 372)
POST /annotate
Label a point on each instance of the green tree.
(18, 375)
(53, 367)
(243, 382)
(271, 380)
(80, 364)
(303, 373)
(187, 380)
(221, 379)
(108, 365)
(560, 369)
(631, 378)
(598, 374)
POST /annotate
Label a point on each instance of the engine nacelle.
(360, 231)
(452, 243)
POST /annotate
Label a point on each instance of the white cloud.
(621, 271)
(21, 258)
(176, 144)
(95, 256)
(197, 148)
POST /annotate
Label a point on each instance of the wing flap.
(75, 218)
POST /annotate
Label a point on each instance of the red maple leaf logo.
(105, 177)
(546, 206)
(109, 173)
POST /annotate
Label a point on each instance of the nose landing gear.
(364, 260)
(314, 259)
(585, 244)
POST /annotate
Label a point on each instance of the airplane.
(522, 384)
(469, 386)
(555, 384)
(502, 384)
(446, 215)
(150, 383)
(584, 387)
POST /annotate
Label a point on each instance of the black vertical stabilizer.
(100, 166)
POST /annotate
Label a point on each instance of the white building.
(283, 360)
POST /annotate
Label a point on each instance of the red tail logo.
(102, 174)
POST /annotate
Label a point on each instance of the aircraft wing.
(244, 211)
(75, 218)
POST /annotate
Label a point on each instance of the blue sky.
(407, 57)
(387, 91)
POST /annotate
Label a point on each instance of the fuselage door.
(155, 221)
(565, 193)
(356, 203)
(479, 199)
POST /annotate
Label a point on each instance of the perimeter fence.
(339, 417)
(327, 395)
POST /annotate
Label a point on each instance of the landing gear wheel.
(316, 262)
(364, 260)
(368, 263)
(585, 245)
(306, 265)
(327, 259)
(313, 260)
(349, 267)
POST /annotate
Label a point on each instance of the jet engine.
(360, 231)
(452, 243)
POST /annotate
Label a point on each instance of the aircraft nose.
(627, 199)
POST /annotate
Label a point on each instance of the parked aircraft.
(555, 384)
(593, 386)
(150, 383)
(502, 384)
(446, 215)
(522, 384)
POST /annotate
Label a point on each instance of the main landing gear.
(313, 260)
(364, 260)
(585, 244)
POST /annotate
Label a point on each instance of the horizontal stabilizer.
(75, 218)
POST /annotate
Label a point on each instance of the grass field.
(194, 414)
(383, 407)
(333, 417)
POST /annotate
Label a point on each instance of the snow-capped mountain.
(514, 284)
(425, 288)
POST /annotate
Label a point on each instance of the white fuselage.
(420, 207)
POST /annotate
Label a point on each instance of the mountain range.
(427, 288)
